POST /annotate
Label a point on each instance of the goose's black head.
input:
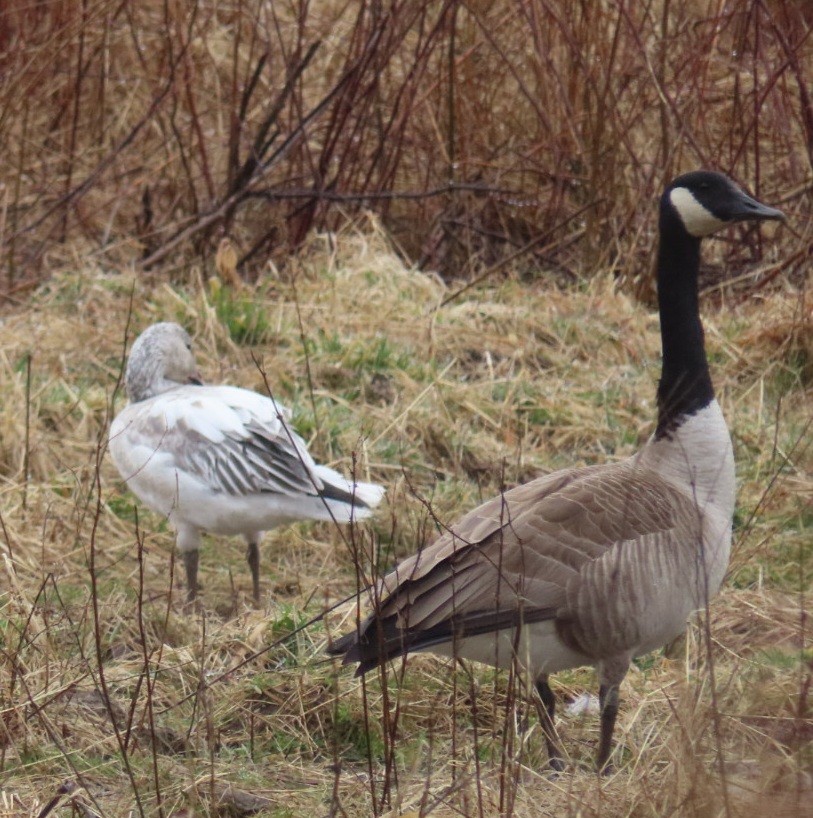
(703, 202)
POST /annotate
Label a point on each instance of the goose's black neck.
(685, 386)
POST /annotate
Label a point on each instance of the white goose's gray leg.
(190, 563)
(546, 713)
(611, 674)
(188, 544)
(253, 559)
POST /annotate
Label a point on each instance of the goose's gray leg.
(608, 702)
(188, 544)
(611, 673)
(190, 563)
(253, 559)
(546, 713)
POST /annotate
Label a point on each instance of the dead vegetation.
(432, 225)
(144, 133)
(114, 701)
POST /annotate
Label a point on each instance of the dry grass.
(112, 701)
(143, 132)
(516, 145)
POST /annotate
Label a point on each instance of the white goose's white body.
(593, 565)
(168, 450)
(219, 458)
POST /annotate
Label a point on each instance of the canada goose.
(218, 458)
(593, 565)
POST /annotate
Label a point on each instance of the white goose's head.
(161, 359)
(705, 202)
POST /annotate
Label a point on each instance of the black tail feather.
(379, 639)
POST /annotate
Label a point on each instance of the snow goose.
(218, 458)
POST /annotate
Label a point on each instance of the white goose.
(218, 458)
(596, 565)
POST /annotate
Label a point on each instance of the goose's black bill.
(746, 208)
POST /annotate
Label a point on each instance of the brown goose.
(595, 565)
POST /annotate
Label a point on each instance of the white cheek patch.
(697, 220)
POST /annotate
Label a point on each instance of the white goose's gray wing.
(234, 441)
(252, 462)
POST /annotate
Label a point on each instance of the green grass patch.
(243, 314)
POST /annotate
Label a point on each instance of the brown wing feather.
(497, 518)
(544, 550)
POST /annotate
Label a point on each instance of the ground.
(117, 701)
